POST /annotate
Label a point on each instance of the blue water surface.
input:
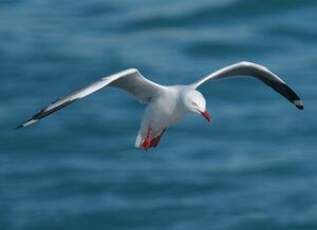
(254, 167)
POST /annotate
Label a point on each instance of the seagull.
(166, 105)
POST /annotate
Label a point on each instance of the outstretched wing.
(129, 80)
(258, 71)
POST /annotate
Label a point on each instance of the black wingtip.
(27, 123)
(299, 104)
(20, 126)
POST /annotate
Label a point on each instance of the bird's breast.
(167, 110)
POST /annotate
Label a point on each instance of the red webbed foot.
(151, 142)
(146, 144)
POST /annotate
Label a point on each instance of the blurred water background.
(253, 168)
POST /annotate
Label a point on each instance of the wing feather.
(260, 72)
(129, 80)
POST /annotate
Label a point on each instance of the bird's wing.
(258, 71)
(129, 80)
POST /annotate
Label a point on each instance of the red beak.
(206, 115)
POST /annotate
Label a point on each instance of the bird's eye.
(194, 103)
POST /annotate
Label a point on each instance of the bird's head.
(195, 102)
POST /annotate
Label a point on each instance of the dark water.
(253, 168)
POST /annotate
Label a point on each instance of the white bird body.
(167, 104)
(164, 111)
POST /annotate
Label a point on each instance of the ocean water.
(254, 167)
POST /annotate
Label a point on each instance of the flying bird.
(168, 104)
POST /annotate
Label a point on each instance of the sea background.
(254, 167)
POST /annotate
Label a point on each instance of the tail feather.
(138, 140)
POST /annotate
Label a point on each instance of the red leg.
(155, 141)
(147, 141)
